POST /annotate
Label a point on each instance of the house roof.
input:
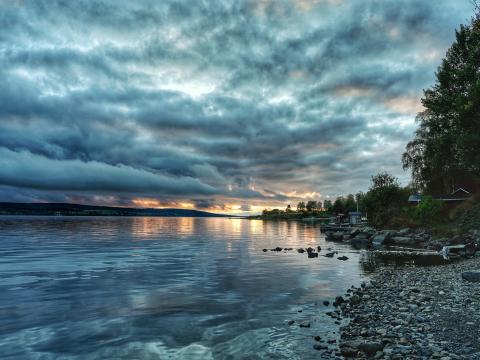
(458, 195)
(461, 191)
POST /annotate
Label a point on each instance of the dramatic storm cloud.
(220, 105)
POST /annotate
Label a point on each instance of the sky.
(224, 106)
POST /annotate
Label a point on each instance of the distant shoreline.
(65, 209)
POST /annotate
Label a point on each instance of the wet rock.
(320, 347)
(360, 242)
(277, 249)
(317, 338)
(331, 254)
(319, 248)
(334, 236)
(264, 250)
(309, 249)
(312, 255)
(291, 322)
(472, 276)
(305, 324)
(326, 303)
(338, 300)
(300, 251)
(343, 258)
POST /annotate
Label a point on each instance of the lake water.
(165, 288)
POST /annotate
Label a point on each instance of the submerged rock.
(312, 255)
(331, 254)
(300, 251)
(343, 258)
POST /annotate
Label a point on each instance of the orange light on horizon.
(147, 203)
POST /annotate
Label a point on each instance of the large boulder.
(366, 232)
(459, 250)
(382, 238)
(354, 232)
(360, 241)
(403, 240)
(334, 236)
(472, 276)
(404, 231)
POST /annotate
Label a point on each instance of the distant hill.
(8, 208)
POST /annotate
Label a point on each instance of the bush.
(428, 211)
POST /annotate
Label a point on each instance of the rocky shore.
(413, 313)
(368, 237)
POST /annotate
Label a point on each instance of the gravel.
(413, 313)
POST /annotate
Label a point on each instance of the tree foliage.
(312, 205)
(446, 145)
(385, 200)
(301, 206)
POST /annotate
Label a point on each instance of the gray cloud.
(212, 102)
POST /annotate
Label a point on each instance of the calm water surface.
(165, 288)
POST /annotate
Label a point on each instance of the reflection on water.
(371, 260)
(164, 288)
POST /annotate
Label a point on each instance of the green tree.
(359, 200)
(301, 206)
(350, 204)
(327, 205)
(385, 200)
(445, 147)
(339, 205)
(311, 206)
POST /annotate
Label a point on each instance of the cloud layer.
(217, 104)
